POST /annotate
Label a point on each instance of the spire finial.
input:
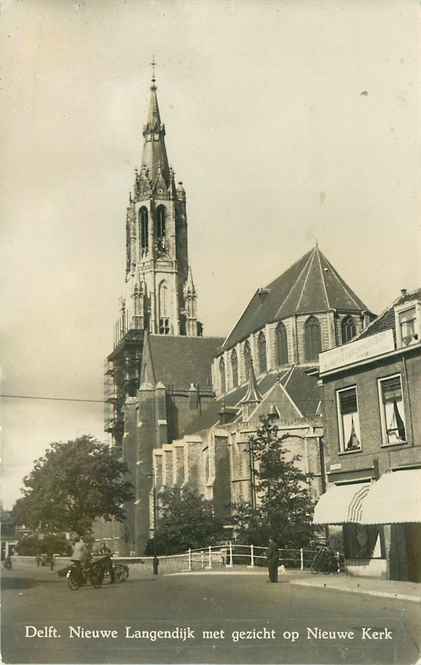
(153, 65)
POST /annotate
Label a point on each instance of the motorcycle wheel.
(72, 582)
(121, 573)
(96, 579)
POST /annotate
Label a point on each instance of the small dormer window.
(408, 323)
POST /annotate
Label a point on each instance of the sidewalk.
(372, 586)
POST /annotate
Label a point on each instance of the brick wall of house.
(366, 380)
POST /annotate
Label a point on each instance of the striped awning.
(394, 498)
(341, 504)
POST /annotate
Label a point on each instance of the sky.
(288, 122)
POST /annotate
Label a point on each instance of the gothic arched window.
(281, 344)
(164, 322)
(312, 339)
(247, 356)
(348, 329)
(234, 368)
(222, 376)
(261, 345)
(160, 223)
(144, 230)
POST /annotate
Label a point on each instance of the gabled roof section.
(304, 391)
(179, 361)
(386, 320)
(311, 285)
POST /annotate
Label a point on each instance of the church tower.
(159, 295)
(159, 291)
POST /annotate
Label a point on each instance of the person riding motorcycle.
(80, 553)
(106, 563)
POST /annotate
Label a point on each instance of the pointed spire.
(252, 395)
(189, 288)
(154, 150)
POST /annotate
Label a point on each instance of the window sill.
(350, 452)
(394, 445)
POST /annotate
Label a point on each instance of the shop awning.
(394, 498)
(341, 504)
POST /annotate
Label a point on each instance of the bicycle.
(121, 572)
(326, 561)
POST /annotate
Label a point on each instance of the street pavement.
(246, 619)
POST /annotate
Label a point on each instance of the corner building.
(371, 392)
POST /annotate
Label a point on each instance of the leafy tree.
(186, 519)
(74, 484)
(52, 543)
(285, 507)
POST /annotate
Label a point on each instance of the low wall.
(138, 566)
(367, 567)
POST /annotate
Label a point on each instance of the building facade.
(371, 396)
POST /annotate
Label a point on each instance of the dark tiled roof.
(180, 361)
(304, 391)
(206, 419)
(211, 415)
(386, 320)
(310, 285)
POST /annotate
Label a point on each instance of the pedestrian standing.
(272, 558)
(155, 564)
(51, 560)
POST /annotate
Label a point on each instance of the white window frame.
(342, 450)
(385, 442)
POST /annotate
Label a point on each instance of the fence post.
(230, 555)
(338, 563)
(210, 557)
(202, 558)
(252, 556)
(189, 558)
(301, 558)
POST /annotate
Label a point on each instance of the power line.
(55, 399)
